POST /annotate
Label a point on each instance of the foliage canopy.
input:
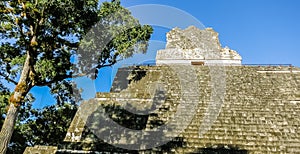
(39, 38)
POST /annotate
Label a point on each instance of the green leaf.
(53, 23)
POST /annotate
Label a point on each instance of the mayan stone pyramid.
(198, 98)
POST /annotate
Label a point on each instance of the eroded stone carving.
(193, 44)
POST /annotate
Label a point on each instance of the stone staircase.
(260, 112)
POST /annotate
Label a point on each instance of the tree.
(39, 38)
(18, 141)
(47, 126)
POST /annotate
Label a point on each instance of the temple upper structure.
(197, 47)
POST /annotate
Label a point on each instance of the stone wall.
(194, 45)
(260, 113)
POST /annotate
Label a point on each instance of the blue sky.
(262, 31)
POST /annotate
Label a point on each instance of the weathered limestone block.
(192, 38)
(192, 45)
(40, 150)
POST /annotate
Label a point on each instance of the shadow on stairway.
(220, 149)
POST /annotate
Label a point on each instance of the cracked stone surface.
(193, 44)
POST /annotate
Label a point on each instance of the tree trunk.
(14, 104)
(8, 127)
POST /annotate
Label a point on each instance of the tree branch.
(62, 77)
(48, 83)
(6, 77)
